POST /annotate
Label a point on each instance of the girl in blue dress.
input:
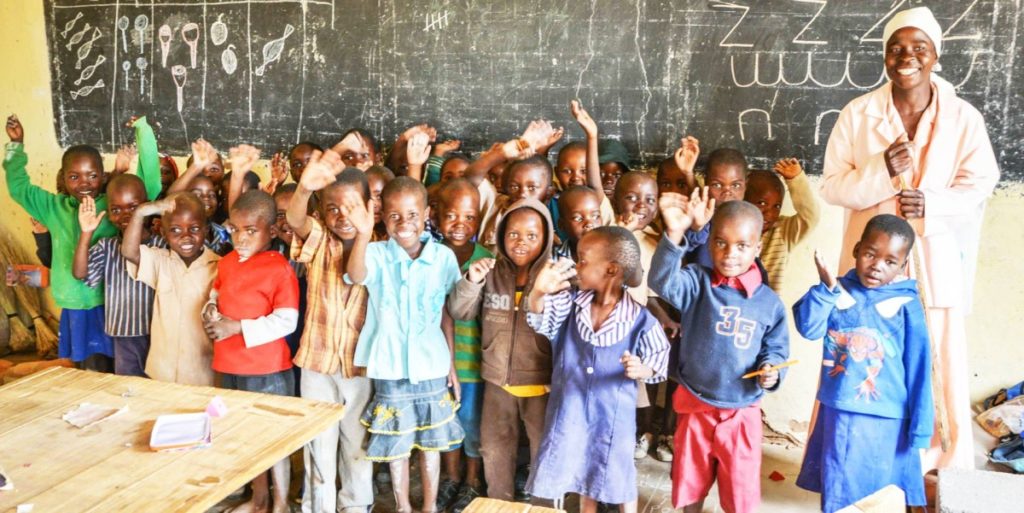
(603, 342)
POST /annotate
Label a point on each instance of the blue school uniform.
(875, 390)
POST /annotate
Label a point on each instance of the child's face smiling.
(334, 219)
(297, 160)
(767, 199)
(83, 176)
(524, 237)
(376, 186)
(879, 258)
(185, 231)
(671, 179)
(405, 215)
(527, 181)
(204, 188)
(251, 232)
(284, 230)
(610, 174)
(734, 244)
(583, 214)
(639, 197)
(122, 202)
(572, 167)
(458, 218)
(726, 183)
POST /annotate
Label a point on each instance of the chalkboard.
(765, 76)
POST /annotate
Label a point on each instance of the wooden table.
(109, 467)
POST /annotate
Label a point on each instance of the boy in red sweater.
(254, 304)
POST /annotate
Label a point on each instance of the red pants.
(717, 443)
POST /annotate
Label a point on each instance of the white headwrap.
(920, 18)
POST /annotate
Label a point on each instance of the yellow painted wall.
(996, 351)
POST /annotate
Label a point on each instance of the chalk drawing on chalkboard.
(974, 36)
(141, 23)
(896, 6)
(86, 48)
(77, 38)
(70, 25)
(736, 7)
(796, 39)
(141, 63)
(190, 35)
(180, 75)
(122, 25)
(218, 31)
(228, 60)
(89, 70)
(847, 77)
(767, 122)
(273, 49)
(817, 124)
(87, 90)
(126, 66)
(165, 34)
(435, 21)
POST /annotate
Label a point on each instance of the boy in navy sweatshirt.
(875, 387)
(735, 324)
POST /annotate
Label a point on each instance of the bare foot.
(251, 507)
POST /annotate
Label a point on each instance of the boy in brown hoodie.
(516, 363)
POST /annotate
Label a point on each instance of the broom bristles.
(21, 337)
(46, 339)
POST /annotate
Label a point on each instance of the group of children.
(452, 304)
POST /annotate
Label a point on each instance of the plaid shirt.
(335, 311)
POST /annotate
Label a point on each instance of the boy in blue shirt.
(875, 387)
(734, 324)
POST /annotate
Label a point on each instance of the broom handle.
(938, 388)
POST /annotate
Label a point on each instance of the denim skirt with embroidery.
(404, 416)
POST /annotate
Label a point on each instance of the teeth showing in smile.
(907, 71)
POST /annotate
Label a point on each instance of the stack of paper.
(181, 432)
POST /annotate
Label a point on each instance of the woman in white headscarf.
(913, 148)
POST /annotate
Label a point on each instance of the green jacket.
(59, 213)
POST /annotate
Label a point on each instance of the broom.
(20, 337)
(28, 298)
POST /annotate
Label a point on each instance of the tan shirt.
(179, 350)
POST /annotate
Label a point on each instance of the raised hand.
(279, 167)
(586, 122)
(788, 168)
(555, 276)
(88, 220)
(480, 269)
(635, 369)
(675, 214)
(445, 147)
(357, 211)
(899, 156)
(123, 159)
(418, 149)
(14, 129)
(422, 128)
(242, 158)
(824, 272)
(701, 208)
(552, 140)
(686, 156)
(321, 170)
(203, 154)
(537, 133)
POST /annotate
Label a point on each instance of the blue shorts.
(469, 417)
(82, 335)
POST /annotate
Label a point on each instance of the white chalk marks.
(767, 122)
(90, 69)
(272, 50)
(228, 60)
(190, 35)
(165, 35)
(817, 124)
(435, 21)
(896, 6)
(218, 31)
(736, 7)
(141, 63)
(141, 24)
(180, 75)
(122, 25)
(87, 90)
(70, 25)
(781, 78)
(797, 39)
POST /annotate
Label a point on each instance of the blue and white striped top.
(128, 304)
(652, 348)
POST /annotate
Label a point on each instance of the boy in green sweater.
(82, 317)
